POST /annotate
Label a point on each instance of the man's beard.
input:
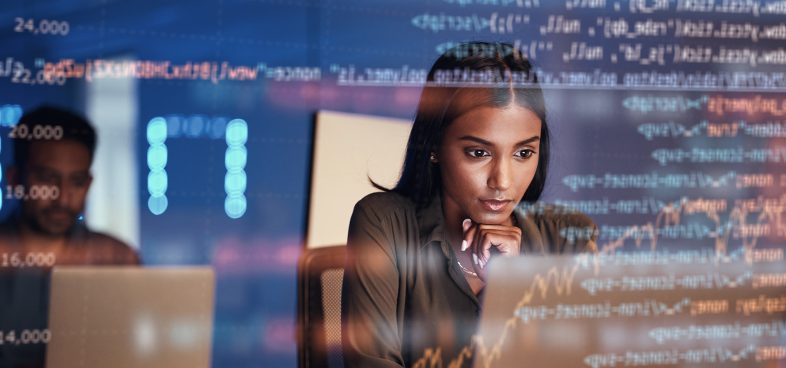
(44, 224)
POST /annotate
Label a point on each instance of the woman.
(417, 254)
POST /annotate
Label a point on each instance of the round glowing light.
(157, 183)
(235, 206)
(237, 132)
(194, 126)
(174, 126)
(156, 131)
(157, 156)
(157, 204)
(217, 128)
(236, 158)
(10, 114)
(235, 183)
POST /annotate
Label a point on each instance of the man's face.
(63, 164)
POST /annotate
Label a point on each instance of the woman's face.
(487, 160)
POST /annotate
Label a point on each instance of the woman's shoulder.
(386, 210)
(384, 220)
(385, 203)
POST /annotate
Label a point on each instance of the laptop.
(687, 309)
(130, 317)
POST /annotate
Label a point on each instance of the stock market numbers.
(25, 337)
(234, 132)
(685, 308)
(41, 26)
(32, 259)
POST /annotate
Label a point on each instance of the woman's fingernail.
(475, 258)
(482, 264)
(464, 245)
(466, 224)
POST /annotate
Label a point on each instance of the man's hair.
(74, 128)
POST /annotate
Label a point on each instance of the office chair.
(320, 274)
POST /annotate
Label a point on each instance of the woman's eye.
(477, 153)
(527, 153)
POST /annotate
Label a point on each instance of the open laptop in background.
(687, 309)
(130, 317)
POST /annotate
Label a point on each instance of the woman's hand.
(482, 240)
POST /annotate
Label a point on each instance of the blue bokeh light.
(157, 204)
(235, 206)
(236, 158)
(157, 156)
(157, 182)
(173, 126)
(234, 131)
(237, 133)
(235, 183)
(194, 126)
(217, 128)
(156, 131)
(10, 115)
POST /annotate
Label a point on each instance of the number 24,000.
(44, 26)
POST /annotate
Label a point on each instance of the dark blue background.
(255, 256)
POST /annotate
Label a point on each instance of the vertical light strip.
(235, 181)
(157, 155)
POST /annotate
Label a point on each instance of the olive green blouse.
(405, 300)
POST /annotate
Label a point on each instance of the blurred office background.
(206, 109)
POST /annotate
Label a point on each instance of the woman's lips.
(494, 205)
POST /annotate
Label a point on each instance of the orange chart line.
(541, 285)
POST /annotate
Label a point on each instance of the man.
(53, 152)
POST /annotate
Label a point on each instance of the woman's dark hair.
(467, 76)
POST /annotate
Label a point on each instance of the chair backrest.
(320, 275)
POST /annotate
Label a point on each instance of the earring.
(432, 157)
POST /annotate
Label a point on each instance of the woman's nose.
(500, 176)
